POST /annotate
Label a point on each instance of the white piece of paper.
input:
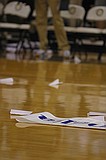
(56, 82)
(55, 86)
(48, 118)
(20, 112)
(96, 114)
(99, 118)
(8, 81)
(77, 60)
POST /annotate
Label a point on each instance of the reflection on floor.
(28, 55)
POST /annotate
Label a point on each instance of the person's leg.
(41, 22)
(59, 25)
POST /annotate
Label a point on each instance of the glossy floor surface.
(83, 90)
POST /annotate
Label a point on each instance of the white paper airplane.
(8, 81)
(95, 122)
(55, 83)
(55, 86)
(20, 112)
(77, 60)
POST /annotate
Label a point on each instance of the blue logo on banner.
(69, 121)
(42, 117)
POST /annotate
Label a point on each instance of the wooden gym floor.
(83, 90)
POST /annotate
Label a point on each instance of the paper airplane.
(55, 86)
(55, 83)
(8, 81)
(20, 112)
(77, 60)
(96, 122)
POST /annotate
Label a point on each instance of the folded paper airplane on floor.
(55, 83)
(8, 81)
(77, 60)
(95, 122)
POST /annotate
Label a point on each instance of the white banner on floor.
(94, 122)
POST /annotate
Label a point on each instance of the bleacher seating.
(85, 39)
(82, 38)
(14, 20)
